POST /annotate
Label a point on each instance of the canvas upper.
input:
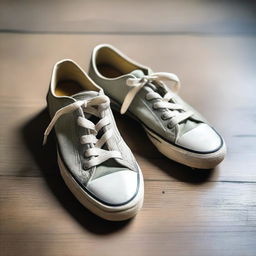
(83, 121)
(151, 101)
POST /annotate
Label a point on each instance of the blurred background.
(128, 17)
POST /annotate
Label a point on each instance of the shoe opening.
(69, 79)
(112, 64)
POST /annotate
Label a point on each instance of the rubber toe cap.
(202, 139)
(116, 188)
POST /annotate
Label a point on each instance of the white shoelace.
(96, 155)
(175, 112)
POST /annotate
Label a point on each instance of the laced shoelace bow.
(175, 112)
(95, 154)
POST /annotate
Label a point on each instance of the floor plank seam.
(3, 176)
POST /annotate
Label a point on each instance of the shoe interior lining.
(109, 70)
(110, 64)
(68, 88)
(70, 80)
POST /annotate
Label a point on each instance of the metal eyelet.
(147, 98)
(153, 107)
(169, 126)
(84, 168)
(163, 117)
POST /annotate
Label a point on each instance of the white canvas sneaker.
(174, 127)
(94, 161)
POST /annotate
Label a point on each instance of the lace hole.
(169, 126)
(154, 107)
(147, 98)
(85, 168)
(163, 117)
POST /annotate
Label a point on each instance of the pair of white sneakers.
(95, 162)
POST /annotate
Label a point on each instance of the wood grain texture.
(186, 211)
(210, 220)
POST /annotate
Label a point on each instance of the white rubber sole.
(191, 159)
(112, 213)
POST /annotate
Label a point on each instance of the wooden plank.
(212, 219)
(228, 17)
(217, 77)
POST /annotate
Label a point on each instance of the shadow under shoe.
(46, 159)
(137, 140)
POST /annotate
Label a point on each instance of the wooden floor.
(211, 46)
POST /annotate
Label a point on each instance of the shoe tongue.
(137, 73)
(86, 95)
